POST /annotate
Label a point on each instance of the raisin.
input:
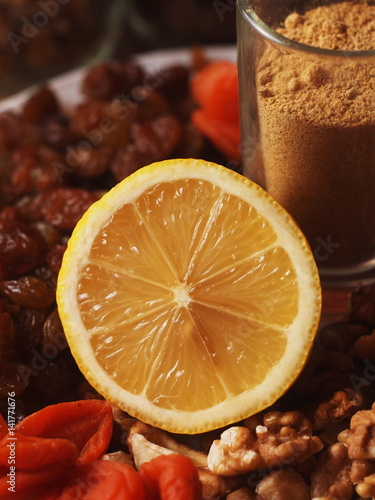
(101, 123)
(7, 306)
(14, 130)
(21, 177)
(10, 213)
(49, 233)
(54, 257)
(6, 193)
(36, 168)
(41, 104)
(191, 143)
(22, 248)
(45, 274)
(94, 162)
(183, 109)
(87, 116)
(53, 332)
(108, 79)
(127, 161)
(157, 138)
(150, 104)
(23, 205)
(173, 82)
(29, 329)
(28, 292)
(56, 373)
(14, 377)
(61, 207)
(57, 133)
(47, 155)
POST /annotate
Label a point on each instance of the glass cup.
(308, 134)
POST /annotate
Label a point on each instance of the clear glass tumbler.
(308, 128)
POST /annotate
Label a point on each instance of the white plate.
(67, 86)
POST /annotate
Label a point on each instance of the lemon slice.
(188, 296)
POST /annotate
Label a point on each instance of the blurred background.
(44, 38)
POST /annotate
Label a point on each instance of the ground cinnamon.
(317, 129)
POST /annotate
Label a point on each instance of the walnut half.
(361, 437)
(283, 484)
(283, 439)
(331, 476)
(342, 405)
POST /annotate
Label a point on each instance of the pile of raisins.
(53, 165)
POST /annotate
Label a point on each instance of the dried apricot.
(171, 477)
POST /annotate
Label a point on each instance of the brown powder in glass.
(317, 124)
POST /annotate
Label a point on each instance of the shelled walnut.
(281, 439)
(341, 405)
(331, 477)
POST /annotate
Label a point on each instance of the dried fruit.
(34, 169)
(171, 477)
(61, 207)
(108, 79)
(39, 105)
(21, 247)
(92, 162)
(54, 440)
(28, 292)
(215, 89)
(157, 138)
(29, 329)
(14, 377)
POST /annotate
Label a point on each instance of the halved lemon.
(188, 296)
